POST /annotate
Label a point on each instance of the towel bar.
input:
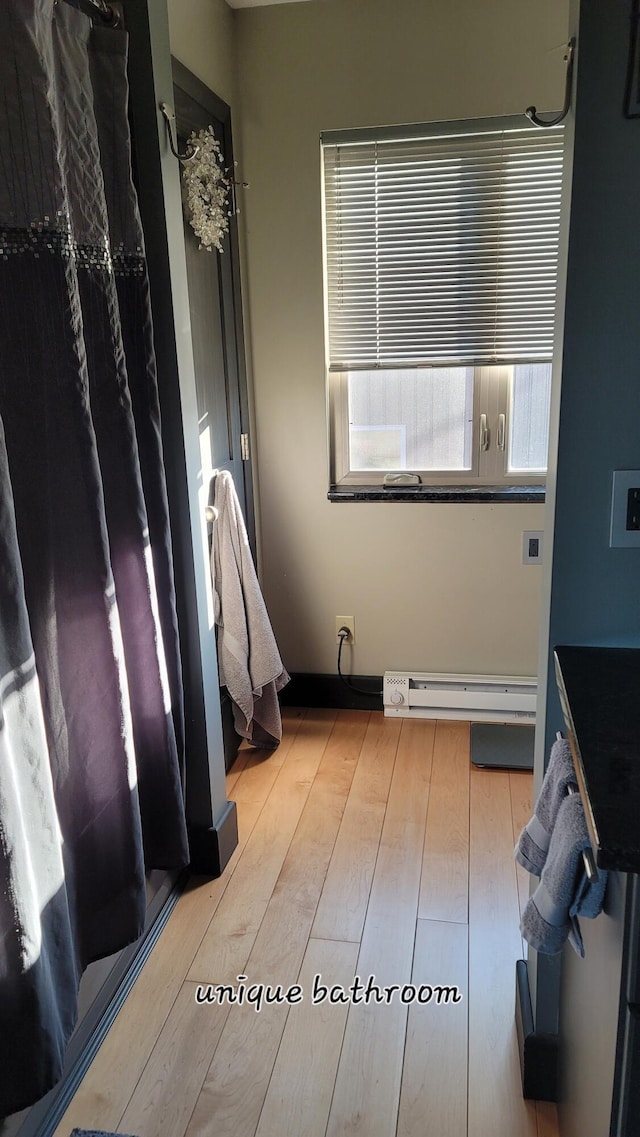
(587, 854)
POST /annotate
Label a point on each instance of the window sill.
(438, 493)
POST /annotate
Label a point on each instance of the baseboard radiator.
(476, 698)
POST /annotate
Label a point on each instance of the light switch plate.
(619, 536)
(532, 547)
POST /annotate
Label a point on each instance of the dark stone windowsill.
(437, 493)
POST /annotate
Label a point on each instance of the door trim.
(197, 90)
(158, 184)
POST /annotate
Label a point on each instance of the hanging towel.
(533, 843)
(249, 663)
(564, 891)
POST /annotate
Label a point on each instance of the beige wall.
(201, 35)
(432, 587)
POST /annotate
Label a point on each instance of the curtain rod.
(97, 8)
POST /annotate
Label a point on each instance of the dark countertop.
(600, 694)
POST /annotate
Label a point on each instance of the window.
(441, 248)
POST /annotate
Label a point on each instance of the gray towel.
(249, 663)
(533, 843)
(564, 891)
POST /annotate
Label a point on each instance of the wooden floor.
(368, 846)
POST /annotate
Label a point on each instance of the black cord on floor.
(342, 636)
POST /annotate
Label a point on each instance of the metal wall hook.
(531, 112)
(235, 185)
(97, 9)
(169, 117)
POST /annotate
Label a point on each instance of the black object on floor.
(95, 1133)
(508, 746)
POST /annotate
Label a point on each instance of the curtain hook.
(531, 112)
(169, 117)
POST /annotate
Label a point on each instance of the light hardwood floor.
(368, 846)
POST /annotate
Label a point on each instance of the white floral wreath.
(206, 189)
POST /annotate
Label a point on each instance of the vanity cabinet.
(600, 994)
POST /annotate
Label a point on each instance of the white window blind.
(442, 249)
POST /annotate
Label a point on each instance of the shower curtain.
(91, 730)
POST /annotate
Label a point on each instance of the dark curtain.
(90, 693)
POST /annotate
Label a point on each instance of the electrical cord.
(343, 635)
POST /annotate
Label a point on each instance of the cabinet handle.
(484, 433)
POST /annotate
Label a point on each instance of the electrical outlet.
(532, 547)
(625, 510)
(346, 622)
(633, 509)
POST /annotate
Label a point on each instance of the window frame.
(491, 396)
(492, 381)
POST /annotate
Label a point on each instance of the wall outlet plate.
(346, 622)
(620, 537)
(532, 546)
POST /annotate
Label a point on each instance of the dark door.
(216, 311)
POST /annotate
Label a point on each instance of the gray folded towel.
(564, 891)
(533, 843)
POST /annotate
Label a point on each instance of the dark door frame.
(186, 81)
(211, 818)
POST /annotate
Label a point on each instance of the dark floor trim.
(539, 1053)
(211, 849)
(310, 690)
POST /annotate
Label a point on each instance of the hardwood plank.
(433, 1099)
(164, 1098)
(291, 715)
(248, 756)
(258, 776)
(168, 1066)
(226, 947)
(343, 904)
(368, 1081)
(521, 790)
(109, 1083)
(496, 1105)
(236, 1084)
(547, 1114)
(239, 764)
(299, 1095)
(444, 889)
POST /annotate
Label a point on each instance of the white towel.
(249, 663)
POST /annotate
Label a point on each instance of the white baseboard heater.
(476, 698)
